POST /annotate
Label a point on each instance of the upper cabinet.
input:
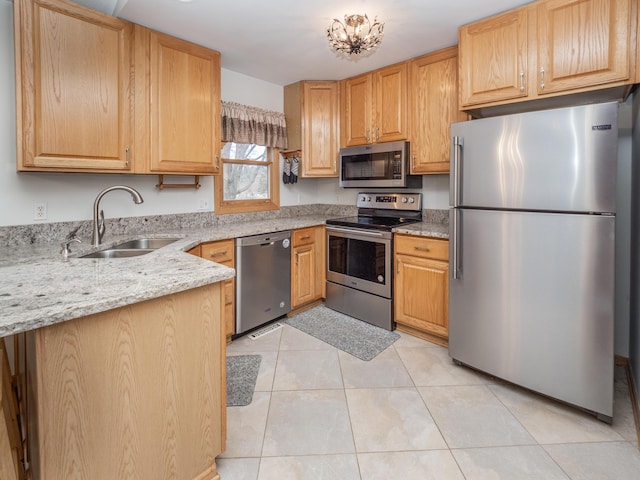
(73, 88)
(493, 59)
(545, 49)
(374, 107)
(98, 94)
(177, 106)
(433, 106)
(312, 113)
(582, 43)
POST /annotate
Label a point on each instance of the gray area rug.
(350, 335)
(242, 372)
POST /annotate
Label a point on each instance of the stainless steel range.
(360, 253)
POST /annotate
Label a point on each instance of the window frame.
(222, 206)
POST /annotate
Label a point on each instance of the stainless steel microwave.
(379, 165)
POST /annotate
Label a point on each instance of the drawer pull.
(422, 249)
(218, 254)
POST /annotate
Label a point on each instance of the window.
(249, 179)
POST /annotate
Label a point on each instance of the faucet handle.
(65, 245)
(72, 234)
(101, 226)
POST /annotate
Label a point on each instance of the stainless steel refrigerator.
(532, 220)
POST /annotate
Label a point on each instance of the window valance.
(244, 124)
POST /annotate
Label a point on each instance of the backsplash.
(56, 232)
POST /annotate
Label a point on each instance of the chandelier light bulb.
(356, 35)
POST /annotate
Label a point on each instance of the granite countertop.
(38, 287)
(425, 229)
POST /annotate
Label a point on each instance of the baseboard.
(306, 306)
(633, 393)
(443, 342)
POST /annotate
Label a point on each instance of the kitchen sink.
(145, 243)
(132, 248)
(119, 253)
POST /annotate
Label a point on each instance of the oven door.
(360, 259)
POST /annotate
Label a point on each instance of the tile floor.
(410, 413)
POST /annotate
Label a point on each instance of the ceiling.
(283, 41)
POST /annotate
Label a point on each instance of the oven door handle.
(356, 231)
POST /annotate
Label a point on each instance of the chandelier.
(356, 35)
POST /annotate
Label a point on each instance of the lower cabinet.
(421, 292)
(307, 266)
(10, 441)
(137, 392)
(223, 252)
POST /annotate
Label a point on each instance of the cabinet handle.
(421, 249)
(296, 258)
(521, 81)
(218, 254)
(127, 156)
(217, 162)
(413, 162)
(542, 78)
(335, 166)
(304, 237)
(366, 135)
(377, 133)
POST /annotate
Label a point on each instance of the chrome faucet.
(98, 218)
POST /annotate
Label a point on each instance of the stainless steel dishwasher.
(263, 279)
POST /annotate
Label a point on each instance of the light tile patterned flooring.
(410, 413)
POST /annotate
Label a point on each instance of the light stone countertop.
(38, 287)
(425, 229)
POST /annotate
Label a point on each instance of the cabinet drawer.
(219, 252)
(422, 247)
(304, 236)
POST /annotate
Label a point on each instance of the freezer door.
(554, 160)
(534, 302)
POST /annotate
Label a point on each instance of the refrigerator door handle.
(454, 221)
(454, 187)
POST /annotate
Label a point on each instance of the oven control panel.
(390, 201)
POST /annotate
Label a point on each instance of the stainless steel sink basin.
(132, 248)
(145, 243)
(119, 253)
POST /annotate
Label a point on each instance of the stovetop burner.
(371, 222)
(383, 211)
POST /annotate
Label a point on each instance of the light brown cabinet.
(97, 94)
(545, 49)
(10, 441)
(177, 107)
(307, 266)
(223, 252)
(312, 112)
(134, 392)
(74, 88)
(433, 106)
(374, 107)
(421, 291)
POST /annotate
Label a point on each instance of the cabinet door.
(185, 107)
(321, 142)
(422, 295)
(582, 43)
(390, 104)
(493, 58)
(73, 88)
(433, 101)
(356, 111)
(303, 283)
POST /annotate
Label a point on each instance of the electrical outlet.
(39, 211)
(203, 204)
